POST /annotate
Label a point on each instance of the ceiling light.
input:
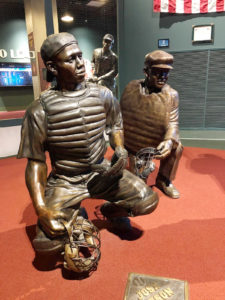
(67, 18)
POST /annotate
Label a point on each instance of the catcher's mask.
(143, 162)
(82, 252)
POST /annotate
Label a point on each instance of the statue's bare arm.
(36, 180)
(111, 73)
(172, 134)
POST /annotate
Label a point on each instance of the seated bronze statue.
(150, 114)
(69, 121)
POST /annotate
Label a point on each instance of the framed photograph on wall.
(163, 43)
(202, 33)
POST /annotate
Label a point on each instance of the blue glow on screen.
(163, 43)
(15, 76)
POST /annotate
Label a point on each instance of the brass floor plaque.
(147, 287)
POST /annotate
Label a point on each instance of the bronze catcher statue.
(69, 121)
(150, 114)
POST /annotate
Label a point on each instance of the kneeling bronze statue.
(150, 114)
(69, 121)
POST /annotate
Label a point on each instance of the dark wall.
(198, 73)
(13, 35)
(140, 28)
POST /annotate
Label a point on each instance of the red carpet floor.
(183, 238)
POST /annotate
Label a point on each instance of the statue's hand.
(118, 163)
(51, 220)
(95, 79)
(164, 149)
(101, 168)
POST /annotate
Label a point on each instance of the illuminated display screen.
(163, 43)
(15, 75)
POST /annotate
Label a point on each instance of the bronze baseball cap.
(55, 43)
(159, 59)
(108, 37)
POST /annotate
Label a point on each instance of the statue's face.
(157, 77)
(107, 44)
(69, 65)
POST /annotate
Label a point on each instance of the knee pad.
(146, 205)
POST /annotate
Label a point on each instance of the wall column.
(36, 14)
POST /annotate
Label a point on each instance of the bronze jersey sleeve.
(33, 133)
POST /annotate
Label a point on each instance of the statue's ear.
(51, 67)
(145, 70)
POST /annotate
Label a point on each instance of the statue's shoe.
(121, 224)
(167, 188)
(43, 244)
(116, 217)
